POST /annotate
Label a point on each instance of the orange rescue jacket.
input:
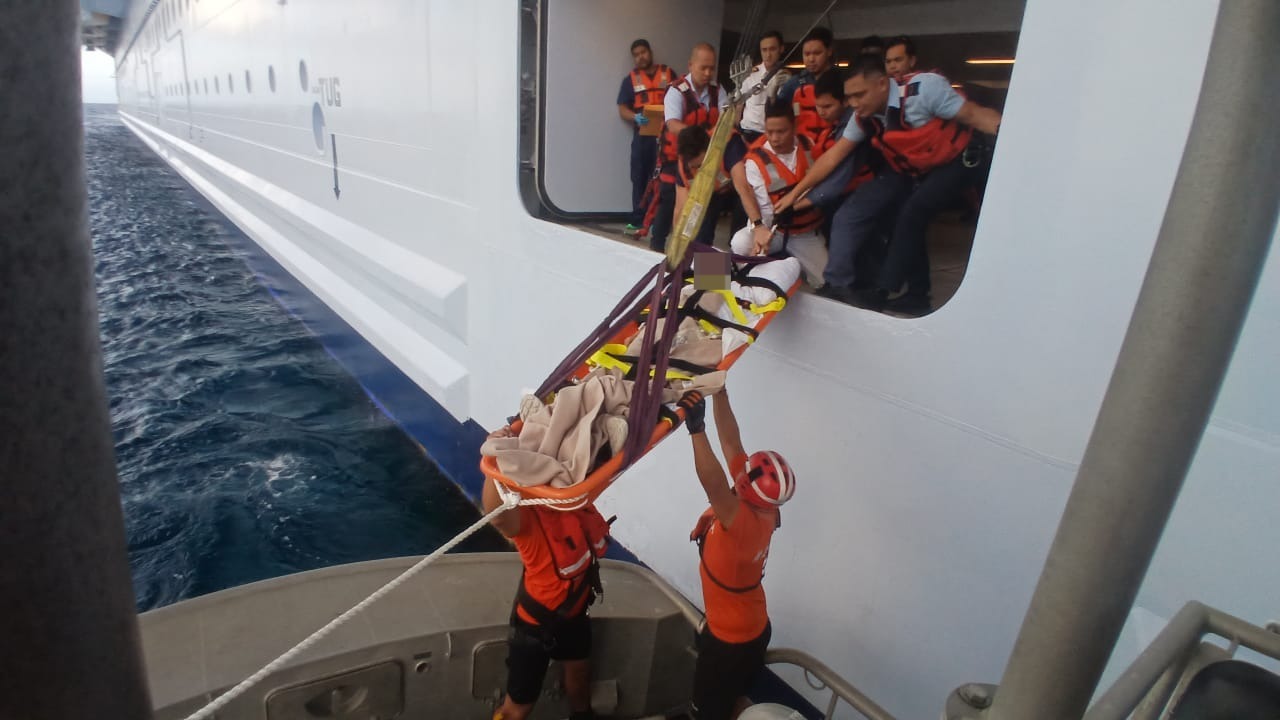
(575, 540)
(650, 88)
(779, 181)
(914, 151)
(693, 114)
(804, 105)
(826, 139)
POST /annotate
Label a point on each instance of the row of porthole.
(166, 17)
(178, 89)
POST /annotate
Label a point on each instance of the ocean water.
(244, 450)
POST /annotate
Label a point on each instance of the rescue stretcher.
(601, 350)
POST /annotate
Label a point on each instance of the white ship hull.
(934, 455)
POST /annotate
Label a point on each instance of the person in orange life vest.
(695, 99)
(816, 51)
(752, 123)
(646, 84)
(921, 130)
(549, 619)
(772, 169)
(733, 537)
(854, 170)
(691, 150)
(900, 58)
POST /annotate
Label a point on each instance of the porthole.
(248, 82)
(231, 88)
(302, 74)
(317, 125)
(271, 77)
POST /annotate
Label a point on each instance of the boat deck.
(434, 647)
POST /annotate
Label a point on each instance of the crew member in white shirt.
(772, 170)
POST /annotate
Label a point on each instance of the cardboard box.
(655, 114)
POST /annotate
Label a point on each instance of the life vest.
(576, 539)
(779, 181)
(651, 88)
(826, 140)
(915, 151)
(804, 105)
(700, 532)
(692, 114)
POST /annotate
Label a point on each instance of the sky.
(97, 76)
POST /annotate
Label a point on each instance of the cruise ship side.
(386, 155)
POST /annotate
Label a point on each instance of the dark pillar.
(68, 626)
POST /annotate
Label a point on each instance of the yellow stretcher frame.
(694, 212)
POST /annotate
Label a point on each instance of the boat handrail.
(828, 679)
(1147, 686)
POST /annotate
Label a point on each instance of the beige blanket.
(690, 343)
(559, 443)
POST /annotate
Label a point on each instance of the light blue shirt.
(673, 103)
(933, 97)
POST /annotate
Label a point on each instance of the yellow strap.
(675, 375)
(778, 303)
(698, 200)
(604, 358)
(732, 301)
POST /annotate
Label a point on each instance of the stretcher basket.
(602, 476)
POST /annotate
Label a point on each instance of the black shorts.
(531, 648)
(725, 672)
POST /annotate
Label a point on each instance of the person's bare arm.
(727, 426)
(821, 168)
(714, 482)
(507, 523)
(627, 114)
(675, 126)
(749, 205)
(982, 119)
(682, 194)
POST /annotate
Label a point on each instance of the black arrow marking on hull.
(333, 143)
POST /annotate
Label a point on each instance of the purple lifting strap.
(603, 331)
(663, 300)
(646, 394)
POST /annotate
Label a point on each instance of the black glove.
(695, 411)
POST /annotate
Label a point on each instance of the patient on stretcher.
(585, 423)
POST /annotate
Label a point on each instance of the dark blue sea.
(244, 450)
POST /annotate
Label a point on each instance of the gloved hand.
(695, 411)
(641, 120)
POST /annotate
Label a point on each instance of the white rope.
(510, 499)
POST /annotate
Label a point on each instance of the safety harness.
(577, 540)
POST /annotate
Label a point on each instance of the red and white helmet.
(768, 481)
